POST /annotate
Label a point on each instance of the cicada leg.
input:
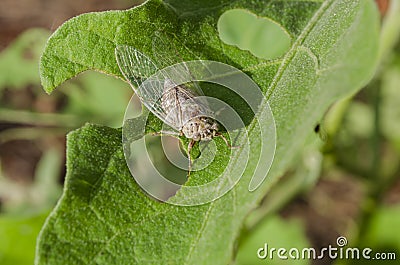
(189, 148)
(226, 141)
(165, 133)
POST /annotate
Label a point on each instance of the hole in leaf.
(263, 37)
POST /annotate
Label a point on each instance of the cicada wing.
(134, 65)
(166, 51)
(144, 77)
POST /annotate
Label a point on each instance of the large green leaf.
(103, 216)
(18, 236)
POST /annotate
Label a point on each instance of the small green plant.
(103, 216)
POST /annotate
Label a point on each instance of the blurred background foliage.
(33, 126)
(346, 184)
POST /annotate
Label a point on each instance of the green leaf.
(359, 120)
(103, 216)
(380, 235)
(263, 37)
(18, 237)
(380, 238)
(390, 103)
(276, 233)
(18, 62)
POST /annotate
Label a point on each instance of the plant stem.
(40, 119)
(376, 183)
(30, 133)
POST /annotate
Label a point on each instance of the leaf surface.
(103, 216)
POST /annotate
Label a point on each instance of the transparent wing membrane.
(157, 89)
(134, 65)
(139, 71)
(166, 52)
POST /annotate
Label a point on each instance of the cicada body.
(176, 105)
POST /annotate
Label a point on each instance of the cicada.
(176, 105)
